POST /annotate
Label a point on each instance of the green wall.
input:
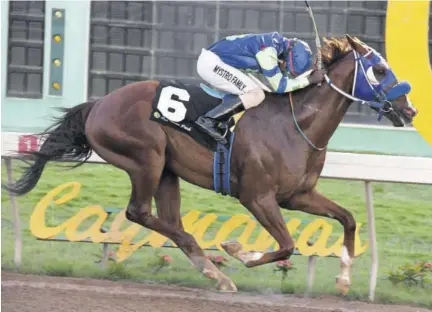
(380, 140)
(29, 115)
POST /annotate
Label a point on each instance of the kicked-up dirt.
(34, 293)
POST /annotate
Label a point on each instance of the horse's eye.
(381, 71)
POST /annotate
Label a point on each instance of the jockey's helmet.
(299, 58)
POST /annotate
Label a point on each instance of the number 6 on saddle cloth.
(179, 105)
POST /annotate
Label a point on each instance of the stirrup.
(227, 107)
(210, 128)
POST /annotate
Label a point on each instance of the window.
(25, 49)
(120, 43)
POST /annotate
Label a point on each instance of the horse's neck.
(319, 115)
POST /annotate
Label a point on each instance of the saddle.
(178, 105)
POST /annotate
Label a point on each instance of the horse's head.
(376, 85)
(375, 81)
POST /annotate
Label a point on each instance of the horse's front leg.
(266, 210)
(314, 203)
(167, 199)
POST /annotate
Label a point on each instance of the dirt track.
(32, 293)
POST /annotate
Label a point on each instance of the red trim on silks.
(262, 47)
(291, 64)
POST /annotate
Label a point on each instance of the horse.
(277, 156)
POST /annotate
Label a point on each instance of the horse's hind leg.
(144, 161)
(314, 203)
(167, 199)
(266, 210)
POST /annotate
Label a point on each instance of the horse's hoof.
(342, 284)
(250, 258)
(227, 285)
(231, 247)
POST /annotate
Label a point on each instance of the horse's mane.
(334, 49)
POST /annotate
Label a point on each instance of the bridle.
(374, 95)
(384, 105)
(361, 84)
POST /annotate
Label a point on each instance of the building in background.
(61, 53)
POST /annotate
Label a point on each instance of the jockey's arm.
(280, 83)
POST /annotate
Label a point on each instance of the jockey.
(225, 63)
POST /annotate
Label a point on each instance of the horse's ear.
(350, 39)
(356, 45)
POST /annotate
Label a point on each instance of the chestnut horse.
(277, 156)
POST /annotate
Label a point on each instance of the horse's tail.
(64, 140)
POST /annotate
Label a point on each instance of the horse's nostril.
(410, 112)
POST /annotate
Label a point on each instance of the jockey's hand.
(317, 76)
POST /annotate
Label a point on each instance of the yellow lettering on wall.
(193, 222)
(319, 246)
(359, 249)
(336, 248)
(116, 235)
(93, 231)
(407, 51)
(37, 220)
(292, 226)
(230, 226)
(200, 227)
(40, 230)
(262, 241)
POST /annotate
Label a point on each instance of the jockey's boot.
(210, 122)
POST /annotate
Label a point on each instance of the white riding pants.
(229, 79)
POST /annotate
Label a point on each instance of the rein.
(300, 130)
(319, 65)
(380, 106)
(384, 107)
